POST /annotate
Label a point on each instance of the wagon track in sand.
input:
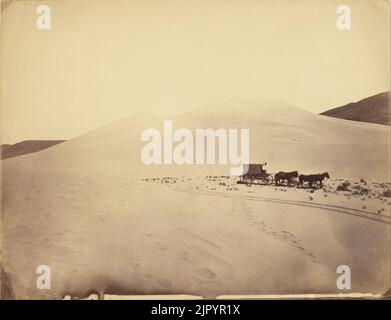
(328, 207)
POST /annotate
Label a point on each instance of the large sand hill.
(83, 208)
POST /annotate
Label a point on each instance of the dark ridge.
(25, 147)
(374, 109)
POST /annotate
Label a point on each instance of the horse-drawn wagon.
(256, 174)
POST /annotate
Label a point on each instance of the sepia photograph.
(195, 149)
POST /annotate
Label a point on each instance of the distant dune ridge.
(82, 208)
(287, 137)
(25, 147)
(374, 109)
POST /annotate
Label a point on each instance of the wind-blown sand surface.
(85, 209)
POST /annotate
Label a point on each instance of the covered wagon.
(256, 174)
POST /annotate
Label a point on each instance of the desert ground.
(105, 222)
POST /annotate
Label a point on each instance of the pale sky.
(105, 59)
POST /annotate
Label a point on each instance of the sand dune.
(374, 109)
(287, 137)
(83, 208)
(25, 147)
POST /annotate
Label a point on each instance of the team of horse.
(256, 174)
(290, 178)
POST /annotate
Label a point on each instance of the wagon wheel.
(269, 179)
(261, 179)
(295, 183)
(264, 179)
(247, 179)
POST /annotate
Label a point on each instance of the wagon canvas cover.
(254, 169)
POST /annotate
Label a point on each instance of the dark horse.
(288, 176)
(311, 178)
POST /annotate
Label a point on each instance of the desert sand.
(104, 222)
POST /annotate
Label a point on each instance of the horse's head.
(326, 174)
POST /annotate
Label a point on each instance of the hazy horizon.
(103, 60)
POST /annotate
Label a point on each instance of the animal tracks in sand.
(199, 257)
(164, 283)
(328, 207)
(205, 273)
(161, 247)
(193, 237)
(184, 256)
(234, 192)
(258, 224)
